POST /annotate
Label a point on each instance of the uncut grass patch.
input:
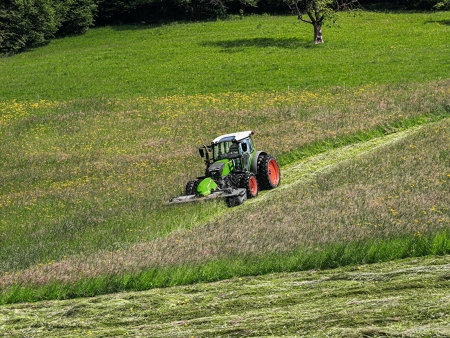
(74, 172)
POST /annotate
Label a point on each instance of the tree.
(318, 11)
(74, 16)
(442, 5)
(25, 24)
(32, 23)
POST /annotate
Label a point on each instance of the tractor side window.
(249, 145)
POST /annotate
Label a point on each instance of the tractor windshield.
(224, 150)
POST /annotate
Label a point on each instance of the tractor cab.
(237, 147)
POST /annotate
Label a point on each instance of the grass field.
(407, 298)
(257, 54)
(99, 131)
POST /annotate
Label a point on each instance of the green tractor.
(235, 170)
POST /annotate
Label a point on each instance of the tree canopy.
(317, 11)
(31, 23)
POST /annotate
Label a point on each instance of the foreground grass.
(408, 298)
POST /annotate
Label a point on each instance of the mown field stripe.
(400, 298)
(302, 170)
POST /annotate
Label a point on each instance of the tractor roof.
(233, 136)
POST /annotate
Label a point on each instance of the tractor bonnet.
(215, 169)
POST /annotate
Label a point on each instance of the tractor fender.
(254, 166)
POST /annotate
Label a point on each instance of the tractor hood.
(220, 168)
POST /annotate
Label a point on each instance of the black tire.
(268, 172)
(191, 187)
(250, 183)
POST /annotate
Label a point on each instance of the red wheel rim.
(253, 185)
(274, 172)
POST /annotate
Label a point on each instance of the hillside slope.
(98, 132)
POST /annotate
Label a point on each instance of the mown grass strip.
(406, 297)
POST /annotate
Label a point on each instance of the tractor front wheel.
(250, 184)
(268, 172)
(191, 187)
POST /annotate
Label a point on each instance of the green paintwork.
(252, 156)
(228, 168)
(206, 186)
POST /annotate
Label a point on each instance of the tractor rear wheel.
(250, 184)
(191, 187)
(268, 172)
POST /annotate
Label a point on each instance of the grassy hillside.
(257, 54)
(99, 131)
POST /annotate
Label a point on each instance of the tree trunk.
(318, 38)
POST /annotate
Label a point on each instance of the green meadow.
(98, 131)
(257, 54)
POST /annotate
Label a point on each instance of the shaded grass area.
(400, 298)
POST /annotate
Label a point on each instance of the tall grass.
(357, 212)
(330, 256)
(105, 172)
(84, 181)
